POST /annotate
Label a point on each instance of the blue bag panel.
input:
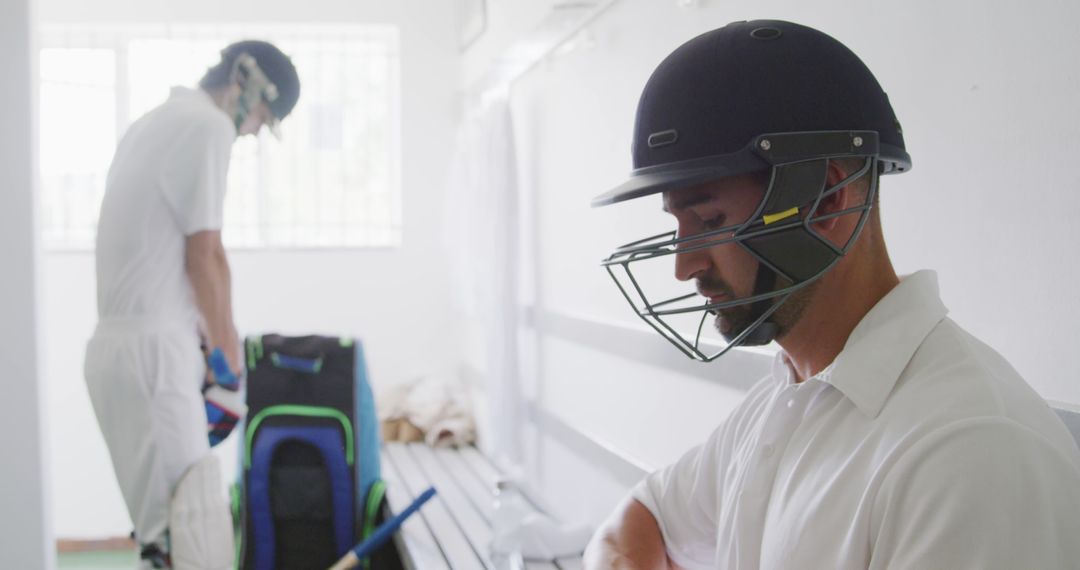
(328, 442)
(368, 440)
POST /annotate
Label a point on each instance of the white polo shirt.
(919, 447)
(166, 182)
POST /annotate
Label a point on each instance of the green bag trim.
(345, 342)
(306, 411)
(254, 348)
(236, 496)
(234, 502)
(371, 512)
(275, 359)
(250, 347)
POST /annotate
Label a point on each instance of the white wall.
(25, 537)
(506, 22)
(395, 300)
(986, 93)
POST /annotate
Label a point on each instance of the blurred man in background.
(163, 289)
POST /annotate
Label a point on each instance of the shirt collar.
(882, 344)
(197, 94)
(181, 92)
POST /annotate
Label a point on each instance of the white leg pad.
(200, 525)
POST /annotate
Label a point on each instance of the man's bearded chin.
(732, 321)
(729, 322)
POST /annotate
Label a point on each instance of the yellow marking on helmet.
(770, 218)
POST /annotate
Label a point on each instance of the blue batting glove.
(223, 375)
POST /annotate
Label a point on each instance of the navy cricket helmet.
(278, 69)
(757, 96)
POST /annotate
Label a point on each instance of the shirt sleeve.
(684, 498)
(985, 493)
(194, 178)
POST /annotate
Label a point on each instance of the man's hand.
(224, 398)
(629, 539)
(234, 352)
(219, 372)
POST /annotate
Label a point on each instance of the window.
(333, 181)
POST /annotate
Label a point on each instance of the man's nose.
(690, 259)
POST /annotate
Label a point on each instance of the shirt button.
(791, 402)
(767, 451)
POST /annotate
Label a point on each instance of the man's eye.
(714, 223)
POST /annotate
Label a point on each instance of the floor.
(100, 560)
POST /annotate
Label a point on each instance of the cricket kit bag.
(310, 487)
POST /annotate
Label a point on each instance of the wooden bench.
(453, 530)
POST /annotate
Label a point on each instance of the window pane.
(77, 137)
(331, 182)
(156, 65)
(319, 182)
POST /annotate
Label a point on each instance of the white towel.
(438, 405)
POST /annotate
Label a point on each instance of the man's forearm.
(208, 271)
(630, 539)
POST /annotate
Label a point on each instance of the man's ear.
(842, 199)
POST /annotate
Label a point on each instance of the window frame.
(117, 37)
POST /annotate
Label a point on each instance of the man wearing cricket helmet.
(163, 289)
(885, 436)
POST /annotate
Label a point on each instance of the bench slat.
(572, 563)
(466, 480)
(476, 529)
(459, 552)
(481, 495)
(480, 466)
(416, 543)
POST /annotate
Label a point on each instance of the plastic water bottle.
(511, 508)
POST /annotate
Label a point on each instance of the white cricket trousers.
(145, 378)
